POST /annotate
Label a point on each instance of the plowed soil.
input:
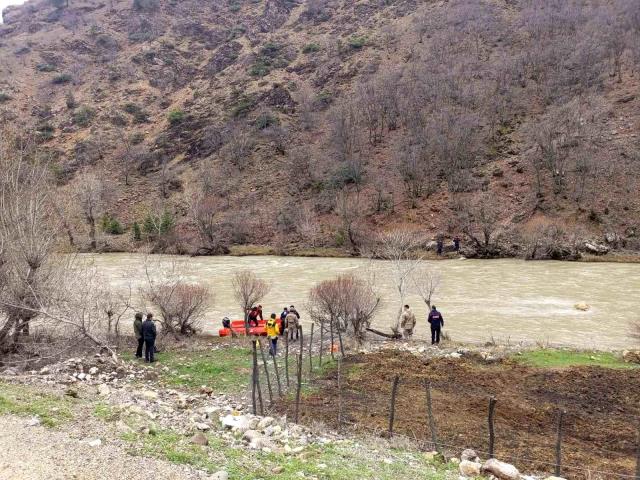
(600, 425)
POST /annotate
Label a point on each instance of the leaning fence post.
(266, 372)
(275, 368)
(432, 420)
(340, 340)
(286, 356)
(638, 457)
(392, 412)
(297, 415)
(492, 435)
(310, 351)
(254, 377)
(332, 338)
(321, 342)
(340, 395)
(559, 443)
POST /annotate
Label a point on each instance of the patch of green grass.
(339, 461)
(105, 412)
(224, 370)
(551, 358)
(24, 401)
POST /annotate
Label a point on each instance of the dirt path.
(39, 453)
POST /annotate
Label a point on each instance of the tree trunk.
(92, 232)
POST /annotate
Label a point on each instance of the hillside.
(320, 123)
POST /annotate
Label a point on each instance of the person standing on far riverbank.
(436, 321)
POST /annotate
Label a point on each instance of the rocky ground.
(73, 418)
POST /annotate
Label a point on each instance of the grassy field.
(25, 401)
(552, 358)
(338, 461)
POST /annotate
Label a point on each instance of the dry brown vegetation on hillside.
(199, 125)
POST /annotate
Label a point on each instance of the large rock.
(236, 422)
(221, 475)
(469, 469)
(501, 470)
(265, 422)
(199, 439)
(596, 248)
(469, 455)
(631, 356)
(103, 390)
(583, 307)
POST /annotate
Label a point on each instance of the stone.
(206, 390)
(554, 478)
(93, 371)
(469, 469)
(103, 390)
(70, 392)
(595, 248)
(583, 307)
(33, 422)
(202, 426)
(147, 395)
(236, 422)
(123, 427)
(251, 435)
(199, 439)
(94, 443)
(44, 371)
(277, 470)
(501, 470)
(469, 455)
(11, 372)
(265, 422)
(221, 475)
(432, 456)
(631, 356)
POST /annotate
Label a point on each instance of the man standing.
(272, 334)
(292, 322)
(283, 320)
(137, 330)
(407, 322)
(149, 334)
(437, 322)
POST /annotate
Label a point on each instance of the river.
(507, 300)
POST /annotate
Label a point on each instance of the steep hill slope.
(322, 122)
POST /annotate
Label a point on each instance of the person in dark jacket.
(283, 320)
(437, 322)
(260, 312)
(456, 243)
(137, 330)
(149, 334)
(440, 245)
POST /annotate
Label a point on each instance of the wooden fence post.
(286, 356)
(332, 337)
(638, 457)
(254, 377)
(492, 434)
(297, 415)
(392, 413)
(266, 372)
(432, 420)
(275, 368)
(321, 342)
(559, 443)
(310, 351)
(340, 340)
(340, 395)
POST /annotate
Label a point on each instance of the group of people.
(408, 323)
(440, 244)
(146, 334)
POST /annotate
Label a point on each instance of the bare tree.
(425, 282)
(238, 145)
(182, 305)
(93, 197)
(248, 290)
(204, 214)
(480, 223)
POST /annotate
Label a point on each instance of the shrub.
(4, 97)
(356, 42)
(182, 305)
(137, 138)
(45, 131)
(83, 116)
(311, 48)
(70, 100)
(235, 7)
(266, 120)
(259, 68)
(175, 116)
(137, 232)
(45, 67)
(244, 105)
(111, 225)
(145, 5)
(158, 224)
(61, 79)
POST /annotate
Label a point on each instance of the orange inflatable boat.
(238, 328)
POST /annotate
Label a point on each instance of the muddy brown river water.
(479, 299)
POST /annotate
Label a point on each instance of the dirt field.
(602, 408)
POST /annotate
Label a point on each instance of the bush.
(145, 5)
(4, 97)
(158, 224)
(45, 67)
(357, 42)
(61, 79)
(311, 48)
(83, 116)
(266, 120)
(111, 225)
(259, 68)
(182, 305)
(70, 100)
(175, 116)
(137, 138)
(45, 131)
(137, 232)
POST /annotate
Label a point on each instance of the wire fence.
(545, 438)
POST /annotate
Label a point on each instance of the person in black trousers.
(137, 330)
(437, 322)
(149, 334)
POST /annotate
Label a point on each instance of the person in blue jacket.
(436, 320)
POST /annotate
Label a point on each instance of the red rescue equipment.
(238, 328)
